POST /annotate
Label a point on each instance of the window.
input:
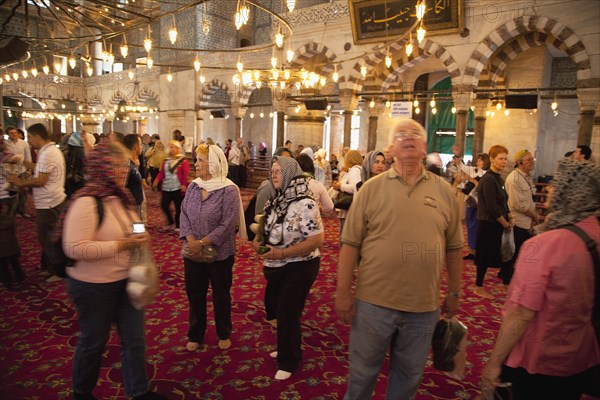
(355, 132)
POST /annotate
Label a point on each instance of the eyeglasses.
(404, 135)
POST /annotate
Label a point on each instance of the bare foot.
(192, 346)
(481, 292)
(224, 344)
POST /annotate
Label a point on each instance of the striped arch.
(383, 79)
(556, 34)
(311, 50)
(212, 87)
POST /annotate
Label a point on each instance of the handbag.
(343, 200)
(507, 247)
(469, 186)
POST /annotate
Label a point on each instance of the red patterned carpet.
(38, 333)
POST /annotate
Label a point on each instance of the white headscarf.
(218, 168)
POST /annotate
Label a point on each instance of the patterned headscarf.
(368, 164)
(576, 194)
(100, 179)
(294, 187)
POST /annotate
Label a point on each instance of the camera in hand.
(139, 227)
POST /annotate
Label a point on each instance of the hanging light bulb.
(124, 50)
(256, 75)
(493, 114)
(290, 56)
(487, 113)
(421, 8)
(110, 59)
(34, 71)
(240, 65)
(245, 13)
(274, 62)
(202, 78)
(498, 106)
(363, 71)
(90, 70)
(336, 76)
(25, 73)
(554, 105)
(251, 115)
(388, 104)
(416, 103)
(434, 111)
(372, 103)
(148, 44)
(270, 115)
(236, 79)
(46, 69)
(238, 20)
(279, 38)
(388, 59)
(149, 62)
(421, 33)
(291, 4)
(506, 112)
(432, 102)
(173, 31)
(130, 74)
(262, 114)
(72, 62)
(57, 67)
(453, 110)
(275, 74)
(197, 64)
(169, 76)
(409, 48)
(286, 74)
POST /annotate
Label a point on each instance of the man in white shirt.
(244, 157)
(520, 188)
(49, 195)
(19, 148)
(233, 159)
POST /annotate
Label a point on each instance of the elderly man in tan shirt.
(403, 227)
(520, 188)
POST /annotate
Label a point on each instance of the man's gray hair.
(407, 124)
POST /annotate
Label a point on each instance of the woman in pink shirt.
(547, 346)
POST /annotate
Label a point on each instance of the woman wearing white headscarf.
(210, 213)
(323, 169)
(294, 233)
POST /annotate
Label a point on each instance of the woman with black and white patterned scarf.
(294, 233)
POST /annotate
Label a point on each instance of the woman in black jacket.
(493, 217)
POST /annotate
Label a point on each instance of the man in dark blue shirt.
(134, 179)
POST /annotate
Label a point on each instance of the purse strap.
(591, 246)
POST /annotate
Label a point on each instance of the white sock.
(282, 375)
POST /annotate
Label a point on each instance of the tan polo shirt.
(520, 189)
(403, 233)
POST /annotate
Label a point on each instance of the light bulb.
(421, 34)
(25, 73)
(388, 104)
(238, 20)
(130, 74)
(388, 60)
(336, 76)
(409, 49)
(279, 39)
(363, 71)
(322, 81)
(506, 112)
(498, 106)
(236, 79)
(197, 64)
(453, 110)
(202, 78)
(251, 115)
(110, 59)
(148, 44)
(256, 75)
(90, 70)
(493, 114)
(1, 81)
(416, 103)
(290, 5)
(34, 71)
(124, 50)
(240, 66)
(173, 35)
(72, 62)
(57, 67)
(487, 113)
(270, 115)
(46, 69)
(275, 74)
(554, 105)
(245, 13)
(421, 8)
(372, 103)
(434, 111)
(432, 103)
(169, 77)
(290, 56)
(262, 114)
(274, 62)
(286, 74)
(149, 62)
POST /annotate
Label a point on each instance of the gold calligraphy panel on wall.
(374, 20)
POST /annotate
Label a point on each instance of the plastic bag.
(507, 248)
(143, 281)
(449, 347)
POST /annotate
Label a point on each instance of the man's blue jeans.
(407, 336)
(98, 305)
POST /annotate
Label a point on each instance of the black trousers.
(287, 289)
(51, 260)
(5, 277)
(198, 276)
(153, 173)
(165, 204)
(526, 386)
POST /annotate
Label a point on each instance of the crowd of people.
(401, 226)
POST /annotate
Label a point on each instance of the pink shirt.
(554, 276)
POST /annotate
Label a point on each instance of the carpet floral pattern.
(38, 334)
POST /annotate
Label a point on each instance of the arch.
(426, 48)
(557, 34)
(210, 90)
(311, 50)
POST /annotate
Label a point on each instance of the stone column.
(198, 126)
(280, 107)
(588, 102)
(374, 114)
(479, 126)
(349, 102)
(462, 102)
(238, 112)
(96, 54)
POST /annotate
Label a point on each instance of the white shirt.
(234, 156)
(20, 149)
(320, 194)
(50, 161)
